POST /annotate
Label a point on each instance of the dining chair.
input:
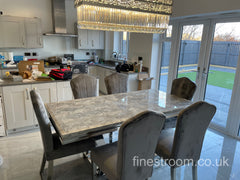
(84, 86)
(183, 145)
(137, 140)
(53, 148)
(183, 87)
(116, 83)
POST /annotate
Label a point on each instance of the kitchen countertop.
(6, 82)
(113, 68)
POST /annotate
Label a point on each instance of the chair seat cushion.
(165, 142)
(69, 149)
(106, 158)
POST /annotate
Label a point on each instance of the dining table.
(79, 119)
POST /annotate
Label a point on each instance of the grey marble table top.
(76, 119)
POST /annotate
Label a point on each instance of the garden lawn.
(215, 78)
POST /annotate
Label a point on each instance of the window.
(124, 44)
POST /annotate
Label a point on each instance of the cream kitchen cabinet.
(90, 39)
(19, 32)
(12, 32)
(83, 39)
(48, 93)
(64, 91)
(33, 32)
(18, 106)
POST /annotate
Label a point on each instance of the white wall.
(194, 7)
(53, 46)
(140, 45)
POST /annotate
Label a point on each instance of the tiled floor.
(22, 155)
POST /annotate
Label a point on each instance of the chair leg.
(110, 137)
(50, 170)
(43, 164)
(94, 169)
(85, 154)
(173, 173)
(194, 171)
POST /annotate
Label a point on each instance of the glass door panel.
(166, 50)
(222, 69)
(189, 51)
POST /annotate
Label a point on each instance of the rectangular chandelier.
(144, 16)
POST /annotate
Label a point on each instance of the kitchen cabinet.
(83, 39)
(2, 129)
(48, 93)
(18, 32)
(33, 33)
(18, 106)
(90, 39)
(12, 32)
(64, 91)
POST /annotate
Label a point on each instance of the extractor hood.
(59, 20)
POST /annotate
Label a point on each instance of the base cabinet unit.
(18, 106)
(48, 93)
(64, 91)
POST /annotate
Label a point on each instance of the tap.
(115, 55)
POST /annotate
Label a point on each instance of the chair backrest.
(84, 86)
(116, 83)
(43, 121)
(191, 127)
(183, 87)
(137, 139)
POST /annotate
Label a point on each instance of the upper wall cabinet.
(17, 32)
(90, 39)
(33, 32)
(12, 32)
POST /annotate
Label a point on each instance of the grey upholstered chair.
(185, 143)
(84, 86)
(137, 138)
(116, 83)
(183, 87)
(53, 149)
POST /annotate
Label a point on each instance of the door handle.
(27, 93)
(40, 40)
(23, 41)
(198, 71)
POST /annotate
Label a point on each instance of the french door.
(208, 54)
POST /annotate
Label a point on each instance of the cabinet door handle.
(40, 40)
(80, 42)
(92, 43)
(23, 41)
(27, 93)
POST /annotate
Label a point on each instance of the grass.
(215, 78)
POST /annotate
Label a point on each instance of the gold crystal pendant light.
(144, 16)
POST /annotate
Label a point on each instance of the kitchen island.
(101, 71)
